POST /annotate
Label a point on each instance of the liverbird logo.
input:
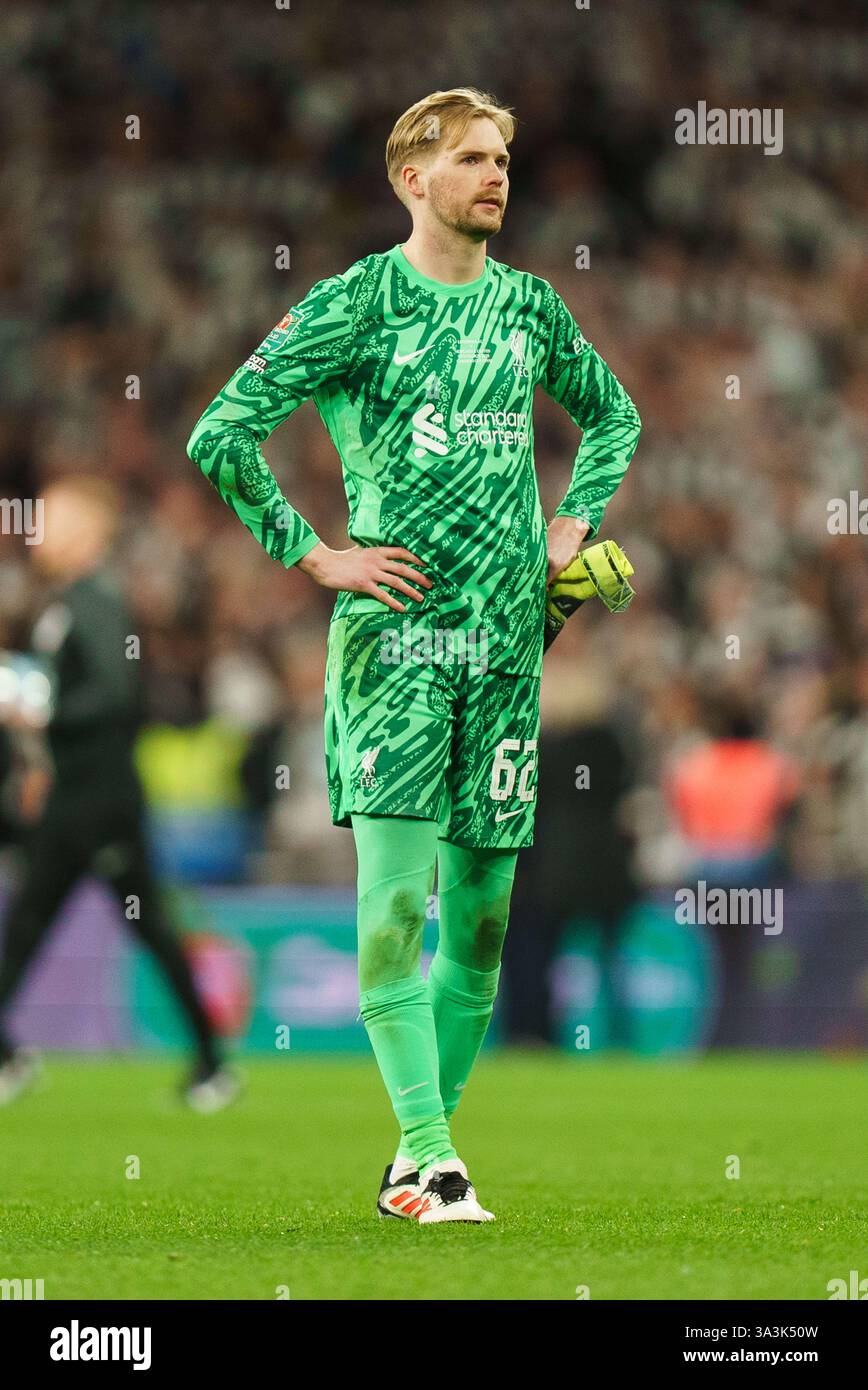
(368, 777)
(516, 347)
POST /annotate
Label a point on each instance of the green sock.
(474, 892)
(396, 873)
(400, 1026)
(462, 1001)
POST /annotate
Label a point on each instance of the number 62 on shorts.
(505, 773)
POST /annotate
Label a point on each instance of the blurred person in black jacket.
(82, 797)
(580, 862)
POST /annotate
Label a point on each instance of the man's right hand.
(362, 569)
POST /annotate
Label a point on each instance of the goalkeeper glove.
(602, 569)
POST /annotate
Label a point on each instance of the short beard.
(456, 222)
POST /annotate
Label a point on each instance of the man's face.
(74, 537)
(467, 186)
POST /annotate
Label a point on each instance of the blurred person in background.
(580, 862)
(85, 803)
(731, 794)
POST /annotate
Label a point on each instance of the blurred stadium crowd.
(154, 258)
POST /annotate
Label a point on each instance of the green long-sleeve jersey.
(426, 390)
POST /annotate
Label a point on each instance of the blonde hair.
(437, 122)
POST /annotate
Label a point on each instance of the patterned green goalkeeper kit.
(426, 390)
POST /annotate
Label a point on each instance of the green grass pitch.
(604, 1172)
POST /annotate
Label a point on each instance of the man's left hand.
(565, 536)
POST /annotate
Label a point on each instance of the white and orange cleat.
(448, 1195)
(399, 1191)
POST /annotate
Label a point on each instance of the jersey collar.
(436, 286)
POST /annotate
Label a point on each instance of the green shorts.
(427, 731)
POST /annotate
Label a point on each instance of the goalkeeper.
(422, 362)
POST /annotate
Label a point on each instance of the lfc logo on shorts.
(368, 777)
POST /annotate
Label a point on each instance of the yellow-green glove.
(602, 569)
